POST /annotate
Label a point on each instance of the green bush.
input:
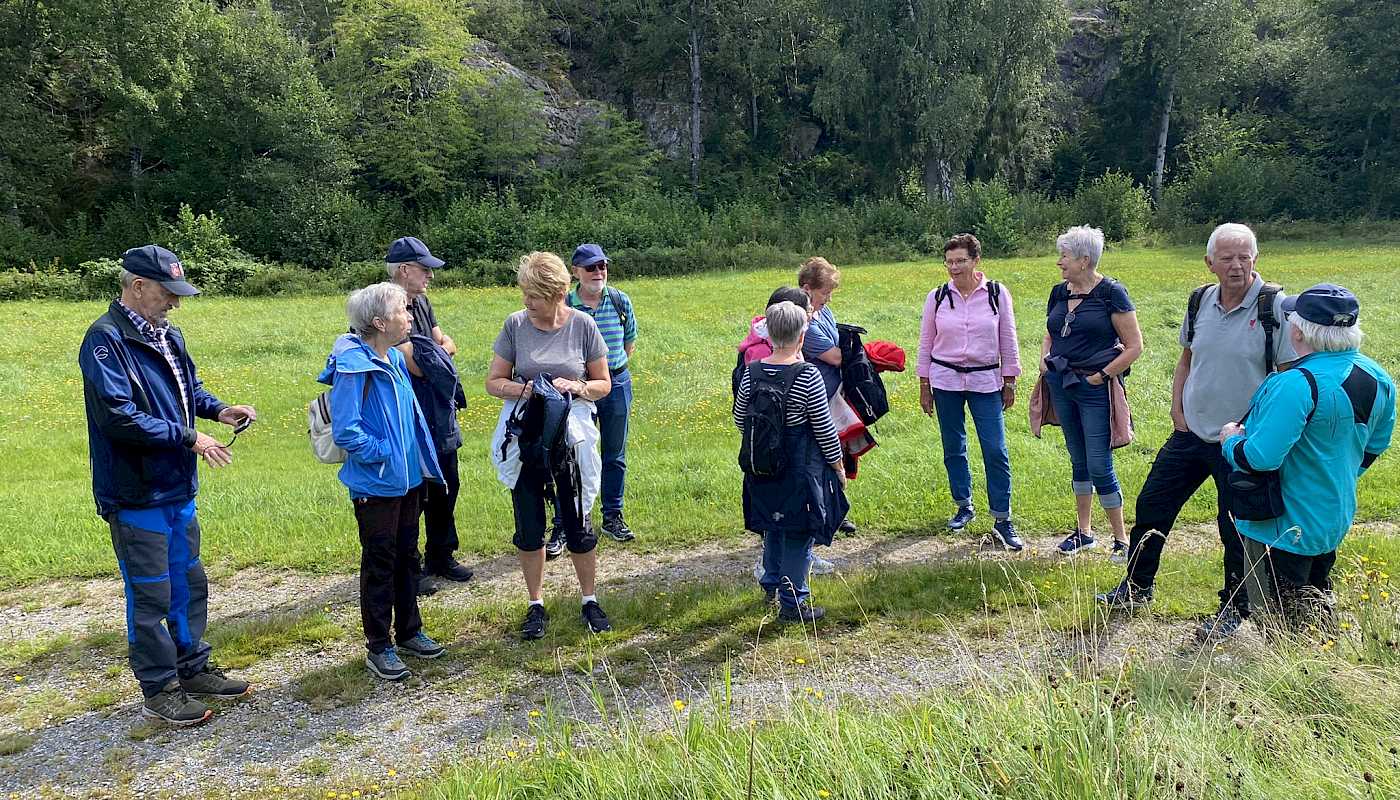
(198, 237)
(989, 211)
(1115, 204)
(1246, 187)
(100, 278)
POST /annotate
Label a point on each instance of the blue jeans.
(613, 411)
(1084, 417)
(786, 560)
(991, 434)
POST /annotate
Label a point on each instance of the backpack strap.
(1267, 319)
(939, 295)
(1312, 389)
(994, 296)
(616, 297)
(1193, 307)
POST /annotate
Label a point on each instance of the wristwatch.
(1104, 375)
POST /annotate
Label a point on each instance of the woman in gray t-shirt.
(548, 337)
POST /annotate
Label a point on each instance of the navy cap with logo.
(1325, 304)
(411, 248)
(586, 255)
(155, 263)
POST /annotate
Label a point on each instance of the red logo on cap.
(176, 271)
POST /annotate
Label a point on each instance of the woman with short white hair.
(1091, 339)
(549, 338)
(803, 504)
(389, 453)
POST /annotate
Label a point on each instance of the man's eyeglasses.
(237, 429)
(601, 265)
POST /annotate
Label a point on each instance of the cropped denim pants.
(1084, 417)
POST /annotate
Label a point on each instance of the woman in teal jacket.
(1320, 424)
(389, 452)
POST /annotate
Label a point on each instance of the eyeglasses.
(237, 429)
(1064, 329)
(957, 262)
(603, 265)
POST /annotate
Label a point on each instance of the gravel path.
(273, 742)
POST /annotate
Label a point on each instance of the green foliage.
(1114, 203)
(612, 157)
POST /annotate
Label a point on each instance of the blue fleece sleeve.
(1382, 424)
(1276, 420)
(347, 415)
(100, 361)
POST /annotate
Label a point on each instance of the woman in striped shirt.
(804, 504)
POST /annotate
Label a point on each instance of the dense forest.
(681, 133)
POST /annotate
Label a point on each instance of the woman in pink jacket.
(969, 357)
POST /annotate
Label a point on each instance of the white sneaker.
(758, 570)
(821, 566)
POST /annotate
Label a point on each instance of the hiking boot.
(594, 617)
(959, 520)
(535, 619)
(1005, 532)
(1119, 553)
(555, 546)
(452, 570)
(420, 646)
(821, 566)
(1075, 542)
(1125, 596)
(804, 612)
(616, 527)
(426, 587)
(212, 683)
(387, 665)
(1220, 626)
(846, 528)
(173, 706)
(770, 597)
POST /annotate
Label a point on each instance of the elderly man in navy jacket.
(142, 396)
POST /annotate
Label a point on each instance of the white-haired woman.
(389, 453)
(804, 504)
(1091, 338)
(549, 338)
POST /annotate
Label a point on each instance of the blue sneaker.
(1005, 532)
(387, 665)
(1079, 540)
(421, 646)
(963, 516)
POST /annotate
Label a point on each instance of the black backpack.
(761, 453)
(1265, 308)
(540, 425)
(944, 293)
(860, 383)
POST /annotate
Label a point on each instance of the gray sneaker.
(213, 683)
(387, 665)
(420, 646)
(174, 707)
(821, 566)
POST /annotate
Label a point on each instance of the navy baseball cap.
(586, 255)
(1325, 304)
(411, 248)
(155, 263)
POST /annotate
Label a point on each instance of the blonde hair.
(542, 276)
(817, 273)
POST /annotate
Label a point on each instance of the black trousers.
(388, 568)
(439, 514)
(528, 501)
(1289, 592)
(1181, 466)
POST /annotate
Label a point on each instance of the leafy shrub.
(39, 282)
(1115, 204)
(988, 210)
(1247, 187)
(198, 237)
(100, 278)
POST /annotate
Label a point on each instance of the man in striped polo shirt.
(612, 310)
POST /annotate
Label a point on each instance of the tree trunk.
(1161, 164)
(694, 96)
(938, 178)
(134, 171)
(753, 111)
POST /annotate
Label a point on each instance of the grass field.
(276, 506)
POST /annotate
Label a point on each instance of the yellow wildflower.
(678, 705)
(393, 772)
(534, 712)
(512, 754)
(823, 793)
(799, 661)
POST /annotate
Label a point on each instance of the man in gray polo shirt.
(1225, 340)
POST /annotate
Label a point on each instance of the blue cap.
(1325, 304)
(586, 255)
(155, 263)
(411, 248)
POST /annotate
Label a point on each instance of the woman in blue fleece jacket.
(389, 451)
(1320, 424)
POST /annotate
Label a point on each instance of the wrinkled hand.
(1231, 429)
(1008, 397)
(926, 399)
(1094, 380)
(233, 415)
(209, 448)
(840, 470)
(570, 386)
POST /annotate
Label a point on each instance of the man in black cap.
(1310, 433)
(142, 396)
(411, 265)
